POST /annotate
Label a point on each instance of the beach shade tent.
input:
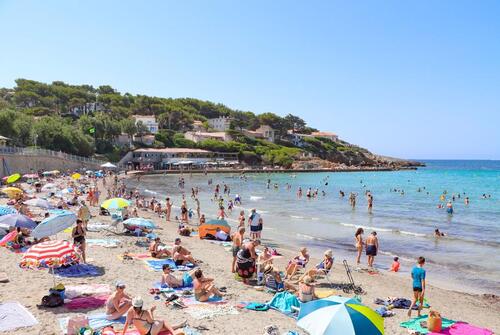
(140, 223)
(4, 210)
(12, 192)
(17, 220)
(210, 227)
(56, 222)
(337, 315)
(51, 255)
(76, 176)
(38, 202)
(108, 165)
(115, 203)
(13, 178)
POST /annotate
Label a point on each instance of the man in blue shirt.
(418, 276)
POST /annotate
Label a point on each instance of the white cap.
(137, 302)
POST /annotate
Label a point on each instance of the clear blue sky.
(416, 79)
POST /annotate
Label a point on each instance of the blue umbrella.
(17, 220)
(4, 210)
(56, 222)
(339, 316)
(140, 222)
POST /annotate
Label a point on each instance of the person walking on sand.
(418, 277)
(238, 238)
(371, 248)
(359, 244)
(168, 209)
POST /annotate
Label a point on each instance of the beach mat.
(190, 301)
(106, 243)
(325, 293)
(414, 324)
(78, 270)
(462, 328)
(91, 302)
(157, 264)
(75, 291)
(204, 311)
(140, 256)
(13, 315)
(96, 321)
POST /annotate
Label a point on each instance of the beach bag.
(52, 300)
(434, 322)
(76, 323)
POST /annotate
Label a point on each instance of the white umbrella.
(49, 187)
(54, 224)
(108, 165)
(42, 203)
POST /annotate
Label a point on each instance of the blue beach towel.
(157, 264)
(283, 302)
(78, 270)
(96, 321)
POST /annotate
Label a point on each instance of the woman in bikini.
(306, 290)
(359, 244)
(118, 303)
(143, 320)
(78, 235)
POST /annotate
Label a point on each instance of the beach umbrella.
(13, 178)
(108, 165)
(58, 221)
(17, 220)
(49, 187)
(12, 192)
(38, 202)
(4, 210)
(115, 203)
(140, 222)
(339, 316)
(76, 176)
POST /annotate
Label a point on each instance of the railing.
(6, 150)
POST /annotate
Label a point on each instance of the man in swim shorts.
(237, 241)
(371, 247)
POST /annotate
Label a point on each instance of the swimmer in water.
(466, 201)
(449, 208)
(438, 234)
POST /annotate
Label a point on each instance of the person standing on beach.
(198, 208)
(254, 224)
(168, 210)
(241, 219)
(238, 238)
(78, 233)
(371, 248)
(359, 244)
(418, 276)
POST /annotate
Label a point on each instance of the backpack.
(52, 300)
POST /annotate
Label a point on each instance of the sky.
(412, 79)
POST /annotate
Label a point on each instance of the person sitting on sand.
(273, 280)
(156, 250)
(322, 268)
(297, 262)
(246, 260)
(306, 290)
(204, 288)
(118, 303)
(143, 320)
(172, 281)
(395, 265)
(181, 255)
(183, 230)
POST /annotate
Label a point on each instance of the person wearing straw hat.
(273, 280)
(143, 320)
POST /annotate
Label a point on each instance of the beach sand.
(28, 287)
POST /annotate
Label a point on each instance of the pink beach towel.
(7, 238)
(87, 302)
(461, 328)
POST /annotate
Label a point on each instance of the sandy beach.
(28, 286)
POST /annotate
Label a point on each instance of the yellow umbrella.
(76, 176)
(13, 178)
(115, 203)
(12, 192)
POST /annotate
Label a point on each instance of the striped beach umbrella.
(4, 210)
(50, 254)
(12, 192)
(54, 224)
(17, 220)
(339, 316)
(140, 222)
(115, 203)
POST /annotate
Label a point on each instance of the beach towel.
(204, 311)
(91, 302)
(414, 324)
(75, 291)
(325, 293)
(462, 328)
(96, 321)
(189, 301)
(97, 227)
(141, 256)
(166, 289)
(256, 306)
(106, 243)
(283, 302)
(13, 315)
(78, 270)
(8, 238)
(157, 264)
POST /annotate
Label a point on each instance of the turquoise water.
(467, 258)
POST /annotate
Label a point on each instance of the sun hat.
(137, 302)
(329, 253)
(119, 283)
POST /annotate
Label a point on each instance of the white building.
(220, 124)
(198, 136)
(263, 132)
(149, 121)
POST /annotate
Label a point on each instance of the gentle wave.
(255, 198)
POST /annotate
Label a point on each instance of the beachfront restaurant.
(180, 158)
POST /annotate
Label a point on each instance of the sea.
(405, 214)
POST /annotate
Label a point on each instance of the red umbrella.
(50, 254)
